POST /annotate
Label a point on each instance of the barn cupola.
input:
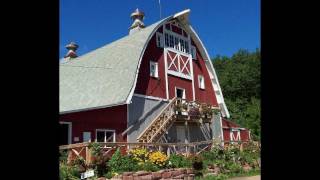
(72, 47)
(137, 17)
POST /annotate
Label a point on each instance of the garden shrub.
(119, 163)
(149, 166)
(68, 172)
(99, 161)
(63, 156)
(179, 161)
(140, 155)
(158, 158)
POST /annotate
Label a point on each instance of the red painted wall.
(180, 83)
(244, 134)
(149, 85)
(156, 87)
(114, 118)
(206, 95)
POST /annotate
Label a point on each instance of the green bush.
(179, 161)
(68, 172)
(119, 163)
(63, 156)
(217, 177)
(149, 166)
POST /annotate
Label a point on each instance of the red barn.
(125, 91)
(233, 132)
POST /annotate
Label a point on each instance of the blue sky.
(224, 26)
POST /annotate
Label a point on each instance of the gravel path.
(247, 178)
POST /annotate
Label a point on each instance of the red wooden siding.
(227, 125)
(206, 95)
(179, 83)
(156, 87)
(149, 85)
(113, 118)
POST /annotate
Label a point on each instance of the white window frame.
(159, 42)
(69, 130)
(156, 69)
(106, 130)
(201, 83)
(193, 52)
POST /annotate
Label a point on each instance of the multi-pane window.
(176, 43)
(201, 82)
(166, 39)
(103, 135)
(193, 52)
(153, 69)
(171, 43)
(187, 46)
(159, 38)
(182, 48)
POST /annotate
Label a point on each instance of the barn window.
(86, 137)
(187, 46)
(235, 135)
(153, 69)
(193, 52)
(159, 37)
(104, 135)
(166, 38)
(176, 43)
(201, 82)
(171, 42)
(182, 48)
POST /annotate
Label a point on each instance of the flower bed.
(218, 162)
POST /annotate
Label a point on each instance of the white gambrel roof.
(107, 76)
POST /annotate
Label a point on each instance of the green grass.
(227, 176)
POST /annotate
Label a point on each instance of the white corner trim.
(185, 12)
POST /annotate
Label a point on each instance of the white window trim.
(106, 130)
(199, 82)
(161, 39)
(185, 39)
(156, 69)
(69, 130)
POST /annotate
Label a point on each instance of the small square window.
(201, 82)
(103, 135)
(154, 69)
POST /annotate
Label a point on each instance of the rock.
(189, 171)
(179, 177)
(130, 177)
(127, 173)
(156, 175)
(146, 177)
(166, 175)
(176, 173)
(141, 173)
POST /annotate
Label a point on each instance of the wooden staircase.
(160, 124)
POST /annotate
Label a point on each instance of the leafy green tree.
(239, 78)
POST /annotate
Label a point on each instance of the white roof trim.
(93, 108)
(207, 60)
